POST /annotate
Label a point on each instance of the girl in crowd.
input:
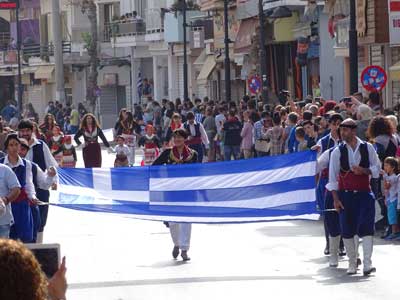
(151, 144)
(47, 126)
(91, 131)
(55, 144)
(130, 131)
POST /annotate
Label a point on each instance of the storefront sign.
(394, 22)
(8, 4)
(254, 83)
(219, 33)
(361, 17)
(373, 78)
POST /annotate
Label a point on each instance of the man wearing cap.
(40, 154)
(351, 165)
(180, 153)
(197, 135)
(324, 144)
(38, 177)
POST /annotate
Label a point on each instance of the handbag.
(262, 146)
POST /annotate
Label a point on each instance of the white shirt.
(319, 143)
(29, 187)
(204, 137)
(48, 159)
(354, 160)
(219, 120)
(391, 194)
(8, 181)
(323, 161)
(124, 149)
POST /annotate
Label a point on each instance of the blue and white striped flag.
(139, 85)
(254, 190)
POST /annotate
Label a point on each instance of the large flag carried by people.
(254, 190)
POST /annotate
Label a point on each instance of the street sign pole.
(20, 87)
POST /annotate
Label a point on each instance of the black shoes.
(184, 255)
(372, 270)
(326, 251)
(175, 252)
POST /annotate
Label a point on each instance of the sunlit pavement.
(115, 257)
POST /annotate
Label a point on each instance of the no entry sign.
(254, 83)
(373, 78)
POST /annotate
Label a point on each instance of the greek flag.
(139, 85)
(254, 190)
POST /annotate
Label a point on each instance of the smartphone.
(48, 256)
(346, 100)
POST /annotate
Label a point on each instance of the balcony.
(206, 5)
(41, 52)
(155, 24)
(125, 33)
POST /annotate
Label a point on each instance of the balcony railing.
(155, 20)
(4, 39)
(124, 28)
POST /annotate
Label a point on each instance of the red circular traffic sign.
(254, 83)
(373, 78)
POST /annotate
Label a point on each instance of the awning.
(5, 72)
(201, 59)
(394, 72)
(247, 30)
(44, 72)
(207, 68)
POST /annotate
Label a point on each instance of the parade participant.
(391, 180)
(38, 177)
(197, 136)
(91, 131)
(350, 168)
(22, 227)
(151, 145)
(9, 191)
(47, 126)
(175, 124)
(130, 130)
(327, 142)
(40, 154)
(179, 154)
(55, 144)
(122, 151)
(68, 153)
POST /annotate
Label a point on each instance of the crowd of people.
(356, 141)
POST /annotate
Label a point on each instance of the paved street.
(113, 257)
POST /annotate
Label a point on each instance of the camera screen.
(48, 260)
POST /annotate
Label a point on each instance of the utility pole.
(185, 65)
(58, 51)
(353, 49)
(227, 63)
(19, 44)
(263, 53)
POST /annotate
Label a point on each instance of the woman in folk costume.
(179, 154)
(68, 153)
(151, 144)
(130, 131)
(91, 132)
(176, 123)
(22, 227)
(47, 126)
(56, 143)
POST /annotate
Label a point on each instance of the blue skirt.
(22, 229)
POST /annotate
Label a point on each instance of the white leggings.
(180, 233)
